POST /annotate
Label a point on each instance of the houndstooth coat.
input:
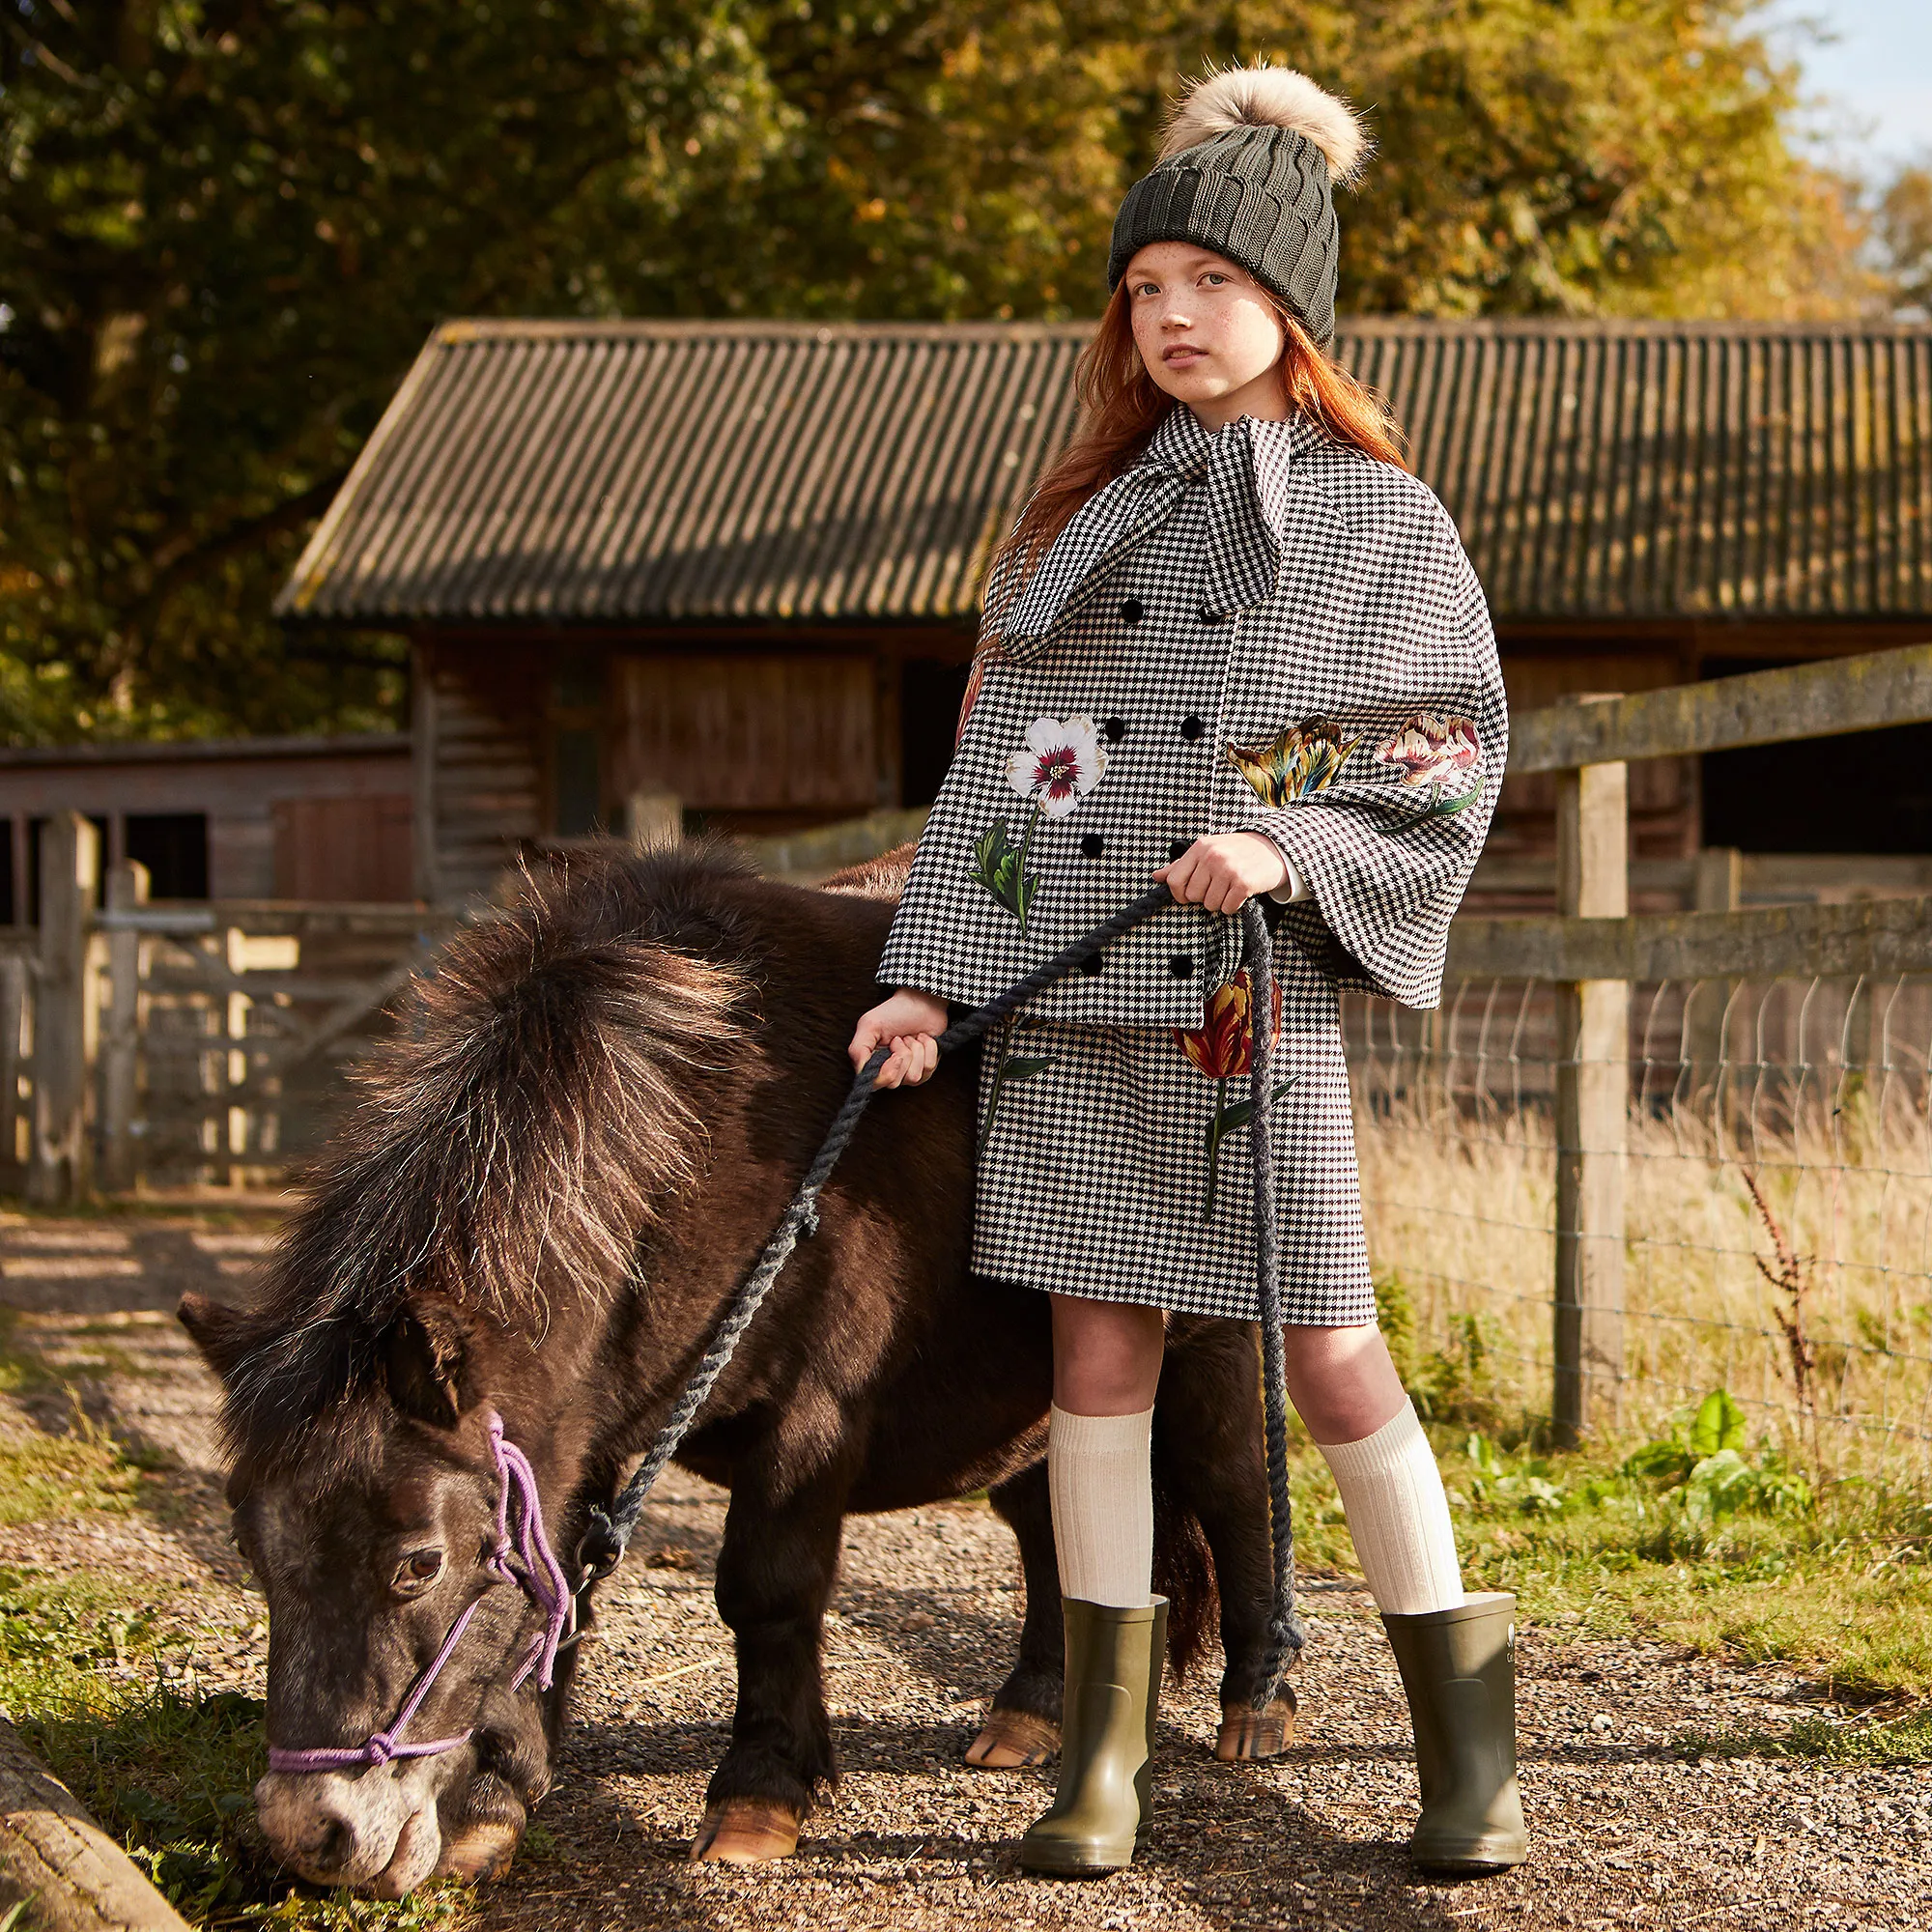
(1255, 630)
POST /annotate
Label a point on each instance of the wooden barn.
(250, 819)
(734, 563)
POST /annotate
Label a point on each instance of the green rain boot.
(1113, 1663)
(1458, 1669)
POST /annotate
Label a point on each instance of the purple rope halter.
(520, 1534)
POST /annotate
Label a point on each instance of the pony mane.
(522, 1132)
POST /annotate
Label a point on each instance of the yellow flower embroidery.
(1303, 759)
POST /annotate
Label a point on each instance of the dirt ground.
(1628, 1826)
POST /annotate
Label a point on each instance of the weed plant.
(1740, 1224)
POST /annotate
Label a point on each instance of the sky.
(1877, 70)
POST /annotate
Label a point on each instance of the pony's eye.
(416, 1571)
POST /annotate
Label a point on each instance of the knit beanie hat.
(1247, 169)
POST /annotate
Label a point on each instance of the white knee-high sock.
(1398, 1515)
(1099, 1476)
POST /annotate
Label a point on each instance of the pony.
(592, 1111)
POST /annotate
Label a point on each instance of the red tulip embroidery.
(1439, 753)
(1222, 1047)
(1058, 765)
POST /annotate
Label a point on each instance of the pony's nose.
(333, 1830)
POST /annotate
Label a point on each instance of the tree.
(226, 229)
(1905, 230)
(229, 224)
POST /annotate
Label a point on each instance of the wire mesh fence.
(1778, 1197)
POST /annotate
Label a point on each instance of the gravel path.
(1626, 1828)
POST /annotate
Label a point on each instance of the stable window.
(173, 845)
(575, 762)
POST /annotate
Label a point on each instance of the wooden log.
(1885, 937)
(1764, 707)
(806, 856)
(1592, 1110)
(65, 1017)
(121, 1050)
(75, 1877)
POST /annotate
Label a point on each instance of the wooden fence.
(157, 1046)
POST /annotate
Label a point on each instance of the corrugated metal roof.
(617, 473)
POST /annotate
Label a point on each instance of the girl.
(1234, 645)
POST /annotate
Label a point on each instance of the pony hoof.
(1247, 1733)
(745, 1831)
(1012, 1741)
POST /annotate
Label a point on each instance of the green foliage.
(1905, 230)
(1899, 1739)
(227, 228)
(106, 1702)
(1702, 1463)
(1454, 1384)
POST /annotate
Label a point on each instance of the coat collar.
(1245, 469)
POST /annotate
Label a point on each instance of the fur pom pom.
(1270, 97)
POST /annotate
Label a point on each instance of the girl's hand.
(911, 1024)
(1224, 872)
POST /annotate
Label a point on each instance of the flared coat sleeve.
(1381, 796)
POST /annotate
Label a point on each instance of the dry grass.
(1460, 1203)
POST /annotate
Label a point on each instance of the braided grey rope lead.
(609, 1533)
(1286, 1635)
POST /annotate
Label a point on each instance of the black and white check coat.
(1262, 590)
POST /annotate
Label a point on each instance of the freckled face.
(1207, 333)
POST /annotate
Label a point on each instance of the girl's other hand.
(1224, 872)
(909, 1023)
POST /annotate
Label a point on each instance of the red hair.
(1120, 407)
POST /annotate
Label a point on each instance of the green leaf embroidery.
(1439, 807)
(1000, 865)
(1241, 1113)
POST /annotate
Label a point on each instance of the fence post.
(65, 1022)
(1592, 1108)
(12, 1023)
(1716, 885)
(121, 1052)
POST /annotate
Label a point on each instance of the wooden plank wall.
(757, 734)
(487, 788)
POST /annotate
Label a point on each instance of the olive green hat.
(1248, 169)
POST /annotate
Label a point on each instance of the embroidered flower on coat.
(1058, 765)
(1302, 760)
(1441, 752)
(1223, 1048)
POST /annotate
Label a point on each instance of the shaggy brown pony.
(589, 1121)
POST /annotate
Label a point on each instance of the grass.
(98, 1680)
(1708, 1536)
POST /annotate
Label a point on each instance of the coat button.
(1089, 966)
(1181, 966)
(1176, 847)
(1093, 845)
(1191, 727)
(1132, 611)
(1115, 729)
(1208, 616)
